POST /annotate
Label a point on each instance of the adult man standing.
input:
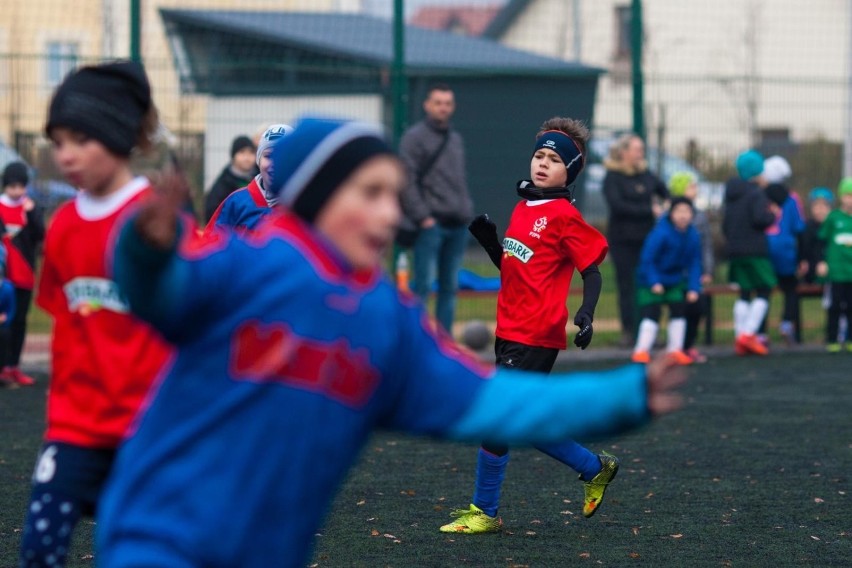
(436, 200)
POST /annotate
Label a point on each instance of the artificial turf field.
(753, 472)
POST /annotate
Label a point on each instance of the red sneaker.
(679, 357)
(641, 357)
(751, 344)
(19, 377)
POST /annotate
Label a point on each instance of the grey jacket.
(443, 193)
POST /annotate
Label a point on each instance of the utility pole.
(398, 81)
(847, 145)
(135, 30)
(636, 66)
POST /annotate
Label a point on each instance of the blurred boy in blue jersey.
(293, 346)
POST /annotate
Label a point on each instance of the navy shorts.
(74, 472)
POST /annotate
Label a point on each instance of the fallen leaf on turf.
(818, 500)
(636, 531)
(677, 536)
(535, 522)
(388, 535)
(374, 532)
(409, 492)
(530, 533)
(633, 555)
(815, 537)
(361, 502)
(585, 555)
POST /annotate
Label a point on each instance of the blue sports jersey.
(286, 361)
(243, 209)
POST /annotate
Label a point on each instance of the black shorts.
(514, 355)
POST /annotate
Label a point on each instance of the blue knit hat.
(749, 164)
(310, 163)
(821, 193)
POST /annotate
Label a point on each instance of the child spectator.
(103, 359)
(7, 315)
(748, 213)
(546, 241)
(246, 207)
(669, 273)
(820, 204)
(276, 387)
(836, 232)
(24, 222)
(783, 242)
(238, 173)
(684, 184)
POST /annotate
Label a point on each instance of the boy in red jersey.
(103, 358)
(24, 223)
(547, 239)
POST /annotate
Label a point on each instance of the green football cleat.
(472, 521)
(596, 487)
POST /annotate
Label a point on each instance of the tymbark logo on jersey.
(89, 294)
(519, 250)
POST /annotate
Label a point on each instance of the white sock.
(756, 312)
(676, 334)
(646, 336)
(740, 316)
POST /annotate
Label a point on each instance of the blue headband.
(567, 149)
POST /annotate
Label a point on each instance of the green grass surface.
(755, 471)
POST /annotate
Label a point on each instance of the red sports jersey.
(13, 215)
(103, 358)
(544, 242)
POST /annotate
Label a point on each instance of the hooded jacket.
(746, 218)
(629, 193)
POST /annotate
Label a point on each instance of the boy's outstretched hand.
(584, 337)
(664, 377)
(158, 216)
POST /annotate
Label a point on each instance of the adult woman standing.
(630, 190)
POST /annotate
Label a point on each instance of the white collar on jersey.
(537, 202)
(93, 208)
(9, 202)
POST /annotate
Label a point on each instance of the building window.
(61, 60)
(623, 45)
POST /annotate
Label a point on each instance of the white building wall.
(229, 117)
(713, 69)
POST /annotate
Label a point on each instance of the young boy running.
(547, 239)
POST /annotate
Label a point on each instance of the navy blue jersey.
(243, 209)
(286, 361)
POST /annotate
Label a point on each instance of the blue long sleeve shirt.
(671, 257)
(286, 360)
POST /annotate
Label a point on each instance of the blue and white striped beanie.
(270, 136)
(312, 161)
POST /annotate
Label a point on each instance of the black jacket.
(225, 185)
(746, 219)
(630, 197)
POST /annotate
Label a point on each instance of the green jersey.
(836, 231)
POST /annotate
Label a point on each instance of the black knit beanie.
(240, 143)
(106, 102)
(16, 173)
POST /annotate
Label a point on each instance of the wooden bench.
(804, 290)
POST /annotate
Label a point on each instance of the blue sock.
(574, 456)
(490, 472)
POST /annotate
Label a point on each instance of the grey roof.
(370, 40)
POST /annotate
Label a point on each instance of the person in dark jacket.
(634, 196)
(238, 173)
(748, 213)
(436, 200)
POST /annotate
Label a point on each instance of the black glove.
(484, 231)
(583, 320)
